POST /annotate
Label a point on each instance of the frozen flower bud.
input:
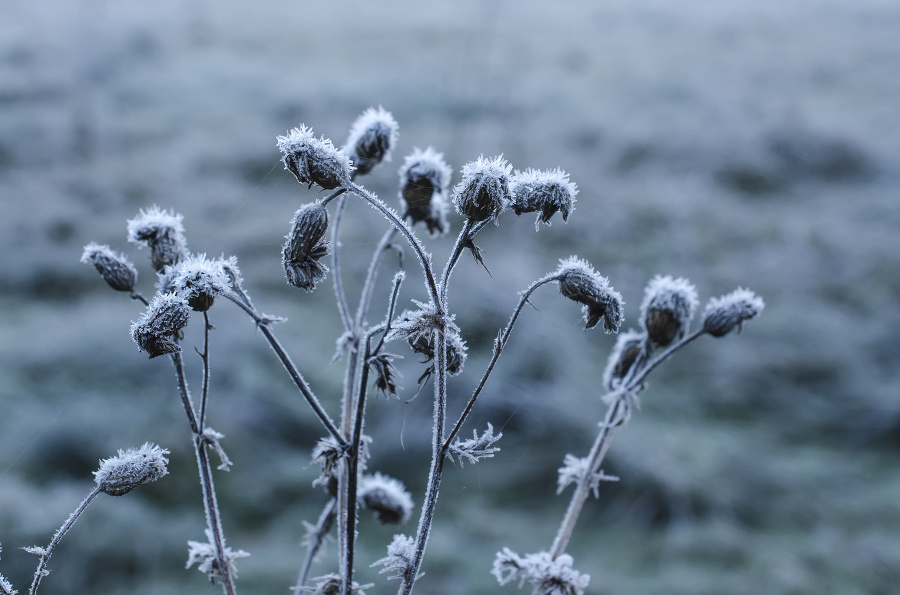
(724, 314)
(162, 232)
(667, 309)
(372, 136)
(305, 247)
(312, 160)
(623, 355)
(579, 282)
(544, 192)
(387, 497)
(483, 191)
(130, 468)
(197, 280)
(424, 179)
(416, 327)
(115, 268)
(165, 317)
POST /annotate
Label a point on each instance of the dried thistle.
(115, 268)
(424, 179)
(162, 232)
(667, 309)
(483, 192)
(622, 357)
(579, 282)
(372, 136)
(728, 312)
(387, 497)
(122, 473)
(164, 318)
(197, 280)
(544, 192)
(312, 160)
(305, 247)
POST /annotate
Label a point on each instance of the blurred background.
(752, 143)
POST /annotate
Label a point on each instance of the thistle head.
(115, 268)
(197, 280)
(314, 160)
(579, 282)
(544, 192)
(162, 232)
(305, 247)
(387, 497)
(667, 309)
(155, 330)
(417, 326)
(483, 192)
(130, 468)
(424, 179)
(372, 136)
(728, 312)
(623, 355)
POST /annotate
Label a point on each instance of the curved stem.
(464, 235)
(369, 285)
(323, 525)
(204, 387)
(339, 293)
(137, 296)
(185, 392)
(403, 228)
(499, 346)
(41, 571)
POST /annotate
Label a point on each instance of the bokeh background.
(743, 142)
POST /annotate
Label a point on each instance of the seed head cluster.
(197, 280)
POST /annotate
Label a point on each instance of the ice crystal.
(372, 136)
(574, 468)
(424, 180)
(728, 312)
(401, 552)
(163, 320)
(161, 231)
(667, 308)
(312, 160)
(115, 268)
(475, 448)
(483, 192)
(579, 282)
(386, 496)
(305, 247)
(130, 468)
(203, 554)
(548, 576)
(544, 192)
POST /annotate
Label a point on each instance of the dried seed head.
(332, 584)
(424, 179)
(483, 191)
(667, 309)
(724, 314)
(305, 247)
(386, 374)
(372, 136)
(115, 268)
(622, 357)
(162, 232)
(130, 468)
(312, 160)
(387, 497)
(416, 327)
(197, 280)
(155, 329)
(579, 282)
(545, 192)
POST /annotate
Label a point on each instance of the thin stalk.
(404, 229)
(42, 571)
(301, 384)
(137, 296)
(339, 293)
(204, 356)
(454, 256)
(210, 504)
(369, 285)
(499, 346)
(323, 526)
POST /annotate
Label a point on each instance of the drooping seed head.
(728, 312)
(417, 326)
(544, 192)
(305, 247)
(667, 309)
(424, 179)
(622, 357)
(122, 473)
(483, 192)
(314, 160)
(372, 136)
(154, 331)
(197, 280)
(162, 232)
(579, 282)
(115, 268)
(387, 497)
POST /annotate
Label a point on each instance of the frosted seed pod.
(156, 328)
(161, 231)
(312, 160)
(483, 192)
(116, 270)
(305, 247)
(544, 192)
(579, 282)
(424, 179)
(728, 312)
(667, 309)
(122, 473)
(624, 354)
(387, 497)
(372, 136)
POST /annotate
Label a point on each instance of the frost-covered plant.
(189, 285)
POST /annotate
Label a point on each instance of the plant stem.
(323, 526)
(42, 571)
(204, 355)
(339, 294)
